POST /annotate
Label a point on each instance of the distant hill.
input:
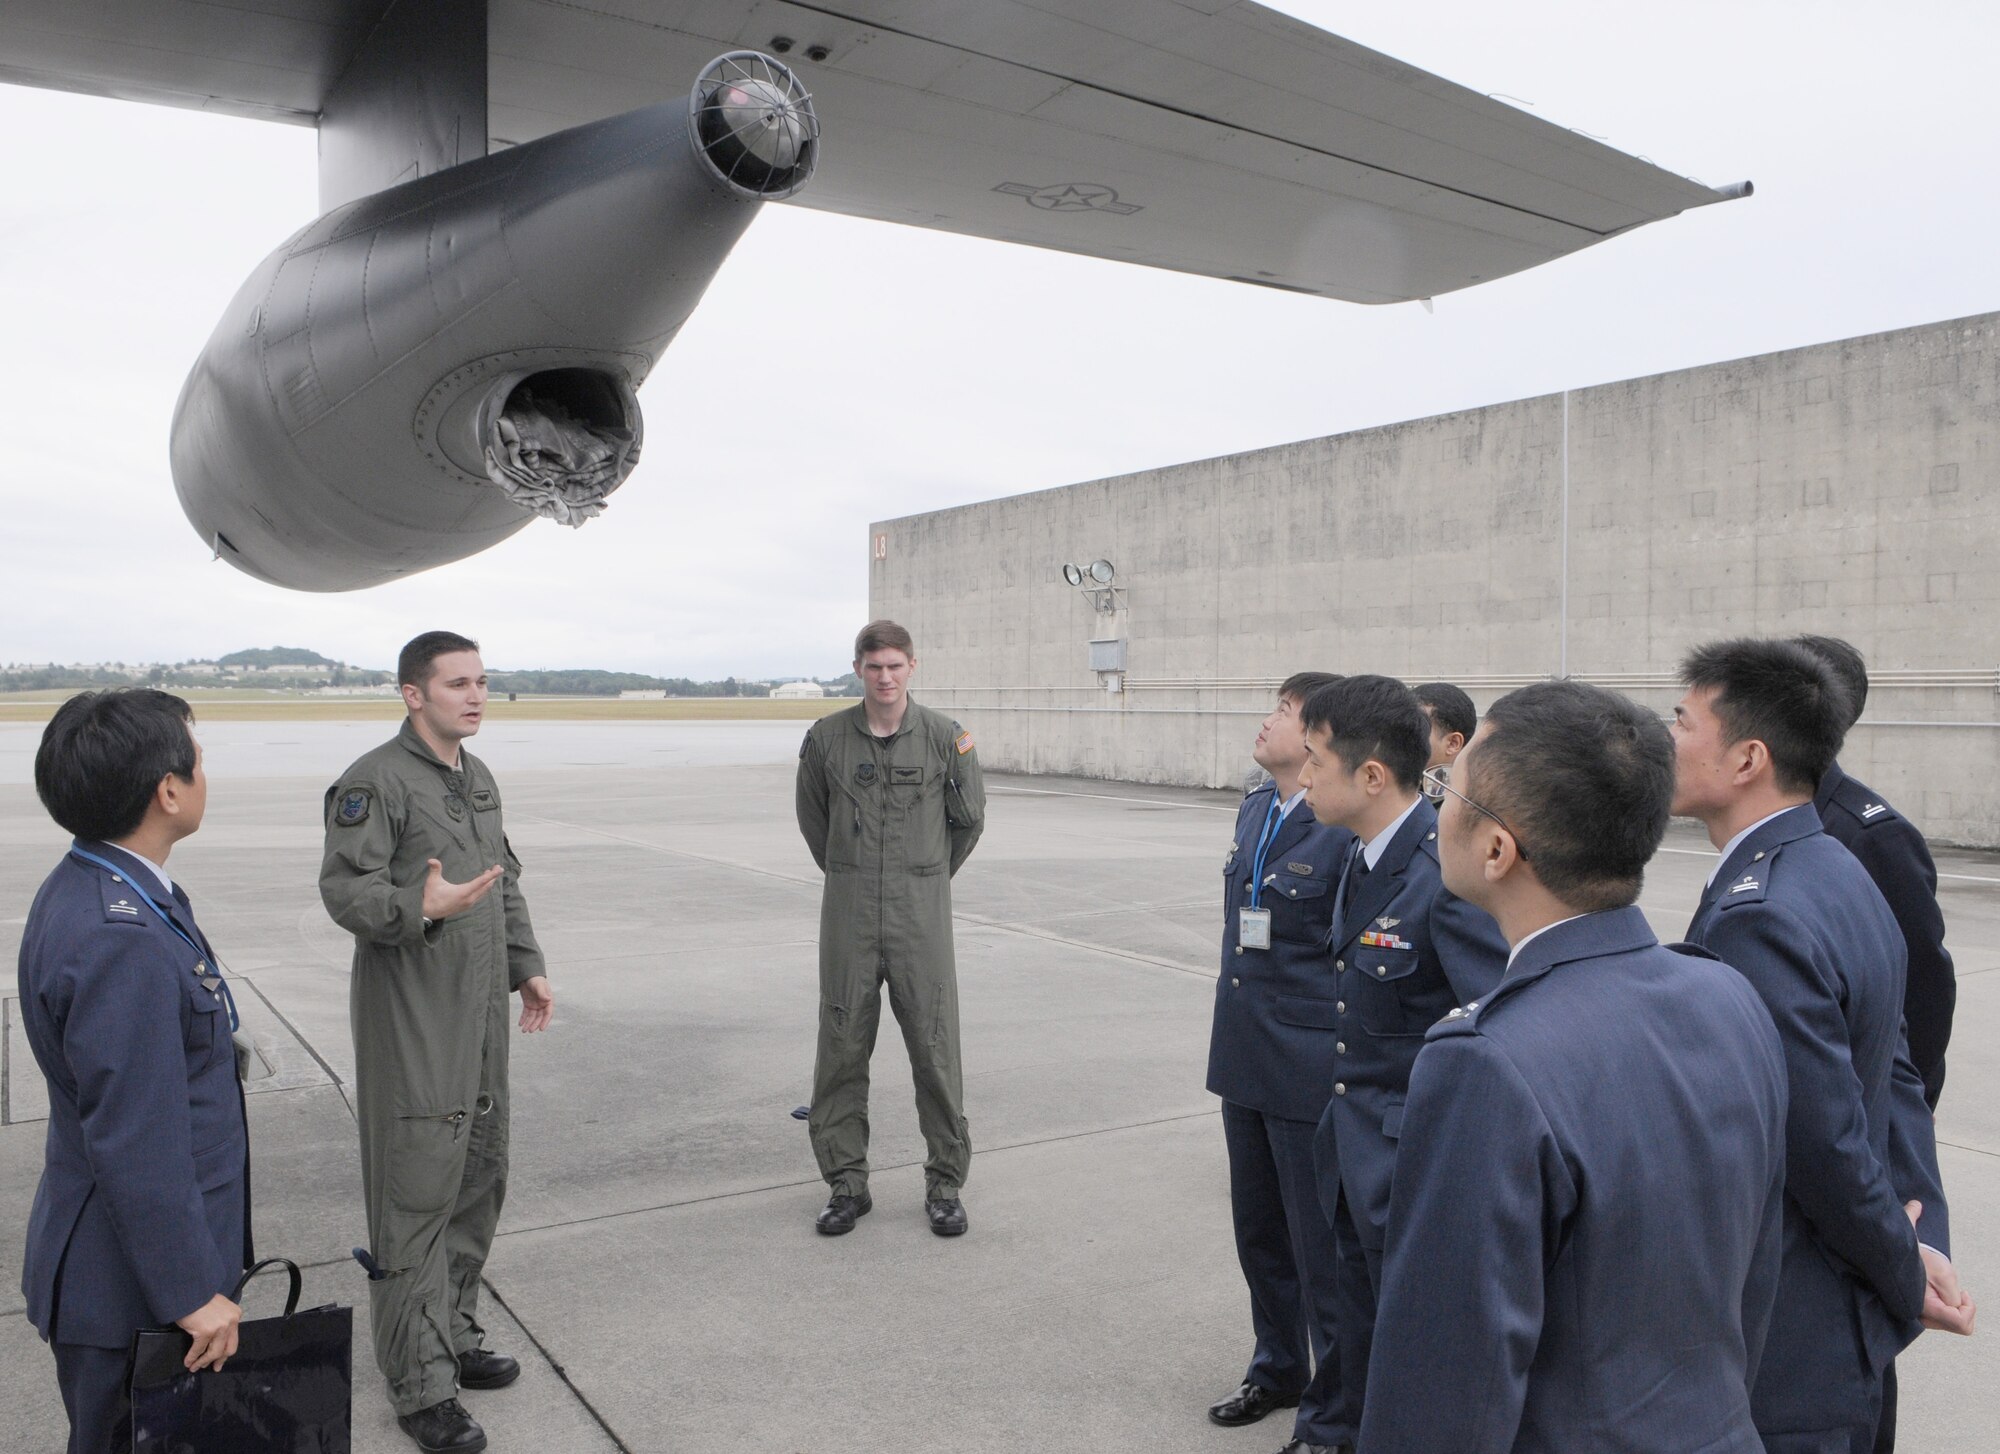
(259, 658)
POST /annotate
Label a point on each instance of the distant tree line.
(582, 683)
(253, 669)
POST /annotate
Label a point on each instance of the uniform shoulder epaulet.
(1458, 1020)
(122, 905)
(1749, 886)
(1863, 804)
(1691, 951)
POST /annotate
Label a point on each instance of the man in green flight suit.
(890, 802)
(415, 850)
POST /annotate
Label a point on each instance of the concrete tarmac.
(657, 1272)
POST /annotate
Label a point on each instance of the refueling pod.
(420, 373)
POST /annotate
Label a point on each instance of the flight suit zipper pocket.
(956, 813)
(454, 1119)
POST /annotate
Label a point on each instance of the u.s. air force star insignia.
(353, 808)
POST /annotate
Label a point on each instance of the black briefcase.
(288, 1389)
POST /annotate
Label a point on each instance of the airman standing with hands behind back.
(419, 870)
(890, 803)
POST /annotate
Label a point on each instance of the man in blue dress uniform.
(1270, 1058)
(1584, 1232)
(142, 1218)
(1795, 913)
(1899, 861)
(1893, 851)
(1404, 950)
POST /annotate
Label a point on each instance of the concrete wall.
(1851, 488)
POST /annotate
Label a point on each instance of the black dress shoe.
(838, 1216)
(947, 1216)
(444, 1428)
(1300, 1446)
(1249, 1404)
(483, 1368)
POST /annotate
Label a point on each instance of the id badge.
(1253, 928)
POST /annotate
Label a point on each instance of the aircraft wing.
(1205, 136)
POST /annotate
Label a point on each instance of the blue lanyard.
(1272, 822)
(132, 881)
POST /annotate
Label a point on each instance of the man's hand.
(442, 899)
(538, 1004)
(1948, 1308)
(213, 1327)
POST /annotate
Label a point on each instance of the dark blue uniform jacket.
(142, 1213)
(1797, 915)
(1584, 1241)
(1405, 951)
(1271, 1047)
(1897, 858)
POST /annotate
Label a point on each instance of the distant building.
(1850, 488)
(644, 694)
(797, 691)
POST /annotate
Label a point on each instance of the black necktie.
(187, 912)
(1352, 873)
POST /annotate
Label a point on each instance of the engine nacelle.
(419, 374)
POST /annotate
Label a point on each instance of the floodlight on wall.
(1094, 580)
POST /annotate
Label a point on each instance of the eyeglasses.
(1434, 779)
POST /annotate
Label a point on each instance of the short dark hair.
(1302, 684)
(884, 635)
(413, 663)
(104, 754)
(1780, 694)
(1449, 707)
(1586, 777)
(1848, 668)
(1372, 717)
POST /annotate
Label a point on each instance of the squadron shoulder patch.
(352, 808)
(964, 743)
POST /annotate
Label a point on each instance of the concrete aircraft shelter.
(1850, 488)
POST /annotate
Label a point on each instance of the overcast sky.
(942, 370)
